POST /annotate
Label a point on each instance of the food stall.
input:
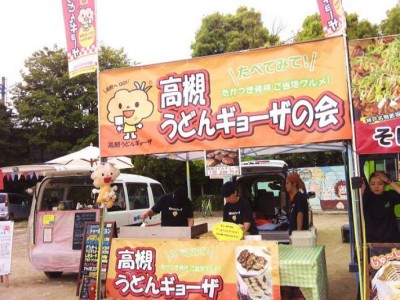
(293, 94)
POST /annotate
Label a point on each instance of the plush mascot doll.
(103, 176)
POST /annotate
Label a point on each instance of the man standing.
(237, 209)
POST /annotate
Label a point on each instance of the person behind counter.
(176, 209)
(298, 202)
(237, 209)
(378, 206)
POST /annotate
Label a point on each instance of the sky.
(150, 31)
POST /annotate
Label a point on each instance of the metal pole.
(189, 190)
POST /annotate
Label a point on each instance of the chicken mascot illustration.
(103, 176)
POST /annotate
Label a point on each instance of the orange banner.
(193, 269)
(292, 94)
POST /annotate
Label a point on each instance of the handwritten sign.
(90, 247)
(226, 231)
(79, 225)
(90, 250)
(6, 237)
(84, 292)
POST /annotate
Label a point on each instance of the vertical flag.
(80, 30)
(332, 17)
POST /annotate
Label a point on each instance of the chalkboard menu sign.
(79, 225)
(84, 292)
(91, 238)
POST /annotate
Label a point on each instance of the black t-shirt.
(380, 220)
(172, 213)
(240, 213)
(300, 204)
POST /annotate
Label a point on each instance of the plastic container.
(304, 238)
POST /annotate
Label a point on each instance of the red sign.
(376, 94)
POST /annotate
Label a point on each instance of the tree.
(360, 29)
(312, 28)
(10, 143)
(57, 113)
(220, 34)
(391, 25)
(168, 171)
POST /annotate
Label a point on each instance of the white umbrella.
(90, 156)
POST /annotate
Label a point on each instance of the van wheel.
(53, 274)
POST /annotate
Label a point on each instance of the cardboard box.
(304, 238)
(158, 232)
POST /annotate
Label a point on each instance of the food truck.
(63, 202)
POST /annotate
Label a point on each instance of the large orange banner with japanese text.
(193, 269)
(292, 94)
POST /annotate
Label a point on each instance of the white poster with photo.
(6, 237)
(221, 163)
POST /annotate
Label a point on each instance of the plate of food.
(386, 281)
(252, 261)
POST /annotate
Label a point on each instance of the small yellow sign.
(226, 231)
(49, 219)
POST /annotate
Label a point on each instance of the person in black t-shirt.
(378, 205)
(237, 209)
(176, 209)
(298, 202)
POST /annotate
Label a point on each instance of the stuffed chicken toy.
(103, 176)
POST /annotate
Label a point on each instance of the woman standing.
(298, 202)
(378, 204)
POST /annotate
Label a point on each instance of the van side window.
(80, 194)
(157, 190)
(138, 196)
(119, 203)
(52, 197)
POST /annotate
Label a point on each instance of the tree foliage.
(360, 29)
(312, 28)
(57, 113)
(391, 25)
(10, 145)
(220, 34)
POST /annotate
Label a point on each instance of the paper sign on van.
(48, 219)
(226, 231)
